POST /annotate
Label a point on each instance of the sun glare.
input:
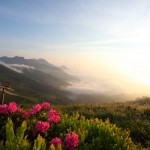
(135, 65)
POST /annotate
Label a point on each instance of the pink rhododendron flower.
(4, 109)
(31, 112)
(12, 107)
(20, 110)
(41, 127)
(55, 141)
(71, 141)
(25, 115)
(28, 113)
(53, 112)
(54, 119)
(36, 108)
(53, 116)
(45, 105)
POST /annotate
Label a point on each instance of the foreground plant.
(14, 141)
(41, 128)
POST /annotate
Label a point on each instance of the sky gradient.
(104, 41)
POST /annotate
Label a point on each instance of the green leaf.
(9, 130)
(52, 147)
(10, 145)
(39, 143)
(59, 147)
(21, 130)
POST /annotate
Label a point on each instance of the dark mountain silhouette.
(35, 77)
(42, 65)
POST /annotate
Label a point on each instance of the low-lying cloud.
(92, 85)
(108, 84)
(17, 67)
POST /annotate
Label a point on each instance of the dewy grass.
(70, 132)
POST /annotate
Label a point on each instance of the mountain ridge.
(37, 78)
(42, 65)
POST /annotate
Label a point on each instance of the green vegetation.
(134, 116)
(110, 126)
(18, 132)
(25, 100)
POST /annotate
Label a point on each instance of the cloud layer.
(16, 67)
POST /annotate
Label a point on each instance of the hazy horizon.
(104, 43)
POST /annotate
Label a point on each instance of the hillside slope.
(34, 78)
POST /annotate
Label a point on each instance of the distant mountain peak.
(13, 60)
(18, 57)
(43, 61)
(21, 60)
(35, 77)
(64, 67)
(61, 73)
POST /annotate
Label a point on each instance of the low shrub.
(43, 128)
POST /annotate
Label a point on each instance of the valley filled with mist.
(39, 80)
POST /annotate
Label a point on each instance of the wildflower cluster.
(71, 141)
(56, 141)
(20, 110)
(45, 105)
(40, 126)
(53, 116)
(7, 109)
(35, 109)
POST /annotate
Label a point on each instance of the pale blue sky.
(105, 38)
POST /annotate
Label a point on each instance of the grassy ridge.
(39, 126)
(134, 116)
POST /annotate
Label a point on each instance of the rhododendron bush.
(43, 127)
